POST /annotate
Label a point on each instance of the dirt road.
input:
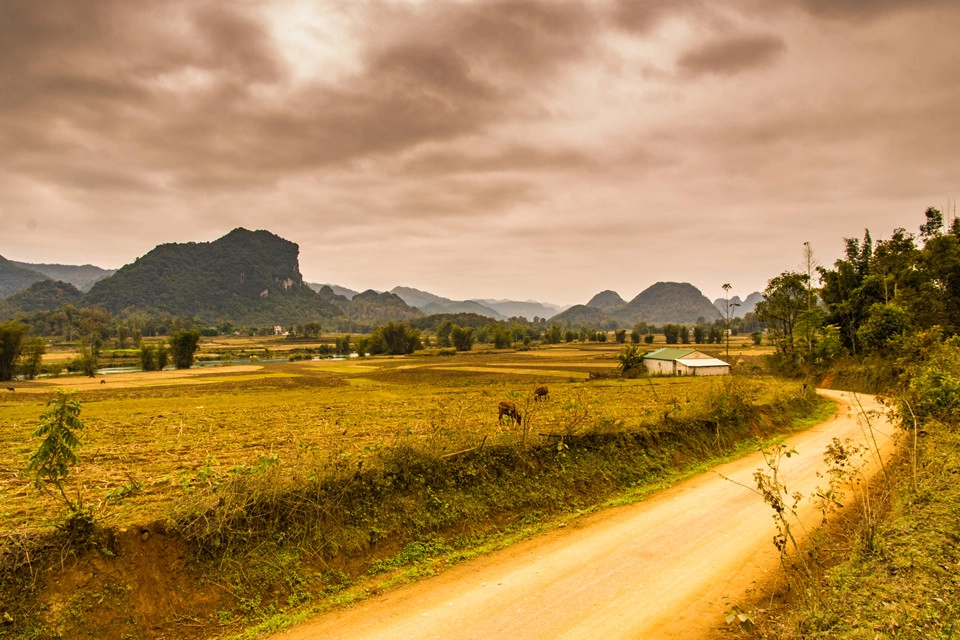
(665, 568)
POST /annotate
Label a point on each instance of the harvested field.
(153, 437)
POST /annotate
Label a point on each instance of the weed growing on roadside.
(51, 463)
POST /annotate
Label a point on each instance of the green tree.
(938, 269)
(885, 322)
(635, 336)
(362, 345)
(553, 335)
(783, 300)
(183, 346)
(631, 361)
(620, 335)
(11, 344)
(672, 333)
(312, 330)
(714, 335)
(699, 334)
(58, 426)
(443, 333)
(395, 338)
(500, 337)
(148, 357)
(462, 338)
(934, 224)
(894, 261)
(89, 359)
(32, 364)
(684, 334)
(849, 290)
(163, 356)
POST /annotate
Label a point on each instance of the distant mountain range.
(664, 302)
(738, 307)
(253, 278)
(430, 303)
(82, 277)
(16, 276)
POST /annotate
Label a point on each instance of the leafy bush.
(58, 426)
(462, 339)
(631, 361)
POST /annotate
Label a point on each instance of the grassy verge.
(906, 582)
(413, 513)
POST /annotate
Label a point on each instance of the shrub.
(462, 339)
(58, 426)
(183, 346)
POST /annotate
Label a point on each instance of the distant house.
(684, 362)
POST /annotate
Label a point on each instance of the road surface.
(668, 567)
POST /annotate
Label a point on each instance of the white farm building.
(684, 362)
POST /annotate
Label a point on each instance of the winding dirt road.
(667, 567)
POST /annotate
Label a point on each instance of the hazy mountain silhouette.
(15, 278)
(81, 276)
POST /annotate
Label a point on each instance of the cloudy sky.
(525, 150)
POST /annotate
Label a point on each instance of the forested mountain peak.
(607, 300)
(245, 276)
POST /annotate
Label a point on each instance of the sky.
(522, 150)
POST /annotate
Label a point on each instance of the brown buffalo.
(541, 392)
(508, 409)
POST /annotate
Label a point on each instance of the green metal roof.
(668, 354)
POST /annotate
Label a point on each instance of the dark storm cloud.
(858, 10)
(732, 55)
(534, 37)
(590, 126)
(177, 88)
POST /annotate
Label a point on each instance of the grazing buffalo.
(508, 409)
(541, 392)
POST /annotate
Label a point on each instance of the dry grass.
(156, 437)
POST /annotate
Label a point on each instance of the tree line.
(871, 302)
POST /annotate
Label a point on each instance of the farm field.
(153, 436)
(307, 480)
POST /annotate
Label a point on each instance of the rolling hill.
(81, 276)
(666, 302)
(43, 295)
(15, 278)
(662, 303)
(607, 301)
(432, 304)
(528, 309)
